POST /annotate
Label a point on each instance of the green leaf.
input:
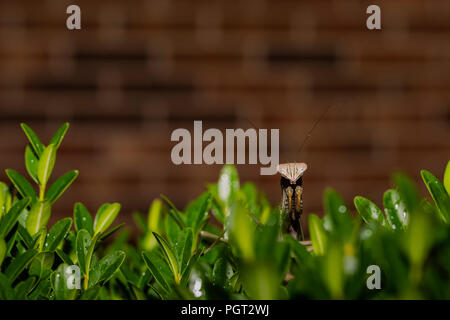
(241, 230)
(438, 193)
(5, 199)
(111, 231)
(18, 264)
(187, 271)
(337, 214)
(299, 251)
(3, 249)
(38, 217)
(59, 135)
(64, 257)
(260, 281)
(31, 163)
(10, 219)
(91, 294)
(57, 234)
(39, 239)
(41, 266)
(37, 145)
(21, 184)
(83, 243)
(140, 222)
(23, 288)
(154, 216)
(156, 268)
(333, 270)
(42, 291)
(59, 186)
(82, 218)
(6, 292)
(408, 192)
(447, 178)
(170, 256)
(105, 217)
(228, 184)
(219, 273)
(174, 212)
(25, 236)
(59, 281)
(184, 248)
(369, 211)
(46, 164)
(197, 212)
(106, 267)
(318, 235)
(395, 210)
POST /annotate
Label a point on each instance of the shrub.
(226, 244)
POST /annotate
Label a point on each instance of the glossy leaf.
(106, 267)
(46, 164)
(447, 178)
(57, 234)
(39, 239)
(438, 193)
(38, 217)
(31, 163)
(6, 291)
(10, 219)
(197, 212)
(83, 244)
(82, 218)
(395, 210)
(318, 235)
(111, 231)
(37, 145)
(21, 184)
(174, 212)
(42, 264)
(5, 199)
(156, 267)
(25, 236)
(59, 135)
(192, 261)
(184, 248)
(408, 192)
(219, 272)
(23, 288)
(19, 264)
(170, 256)
(64, 257)
(369, 211)
(3, 249)
(105, 217)
(59, 186)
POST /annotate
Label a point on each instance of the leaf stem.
(42, 192)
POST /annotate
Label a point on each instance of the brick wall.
(139, 69)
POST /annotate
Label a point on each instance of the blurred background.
(139, 69)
